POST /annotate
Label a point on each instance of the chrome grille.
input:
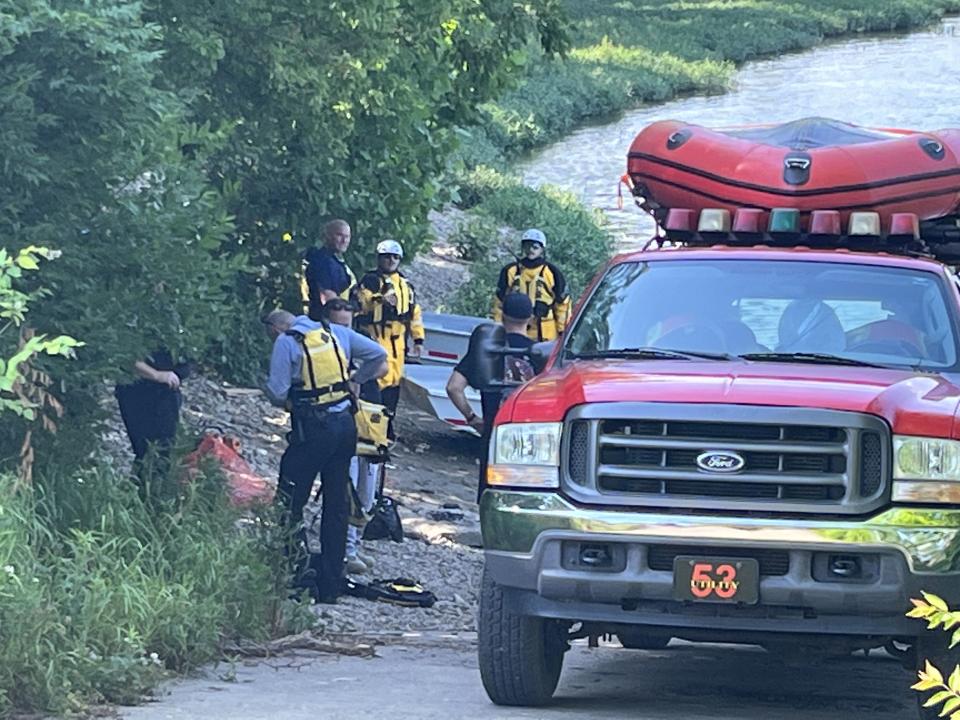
(794, 459)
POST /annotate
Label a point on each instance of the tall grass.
(628, 52)
(102, 595)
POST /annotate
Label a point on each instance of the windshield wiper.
(806, 357)
(650, 354)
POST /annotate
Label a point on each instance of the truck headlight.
(926, 469)
(525, 455)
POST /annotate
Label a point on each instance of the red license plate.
(716, 580)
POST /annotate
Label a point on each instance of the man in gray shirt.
(309, 376)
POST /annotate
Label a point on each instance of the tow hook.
(905, 652)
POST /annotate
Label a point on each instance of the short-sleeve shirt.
(328, 272)
(516, 369)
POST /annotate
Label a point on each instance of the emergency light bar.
(788, 227)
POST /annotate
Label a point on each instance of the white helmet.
(389, 247)
(534, 235)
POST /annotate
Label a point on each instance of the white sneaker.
(355, 566)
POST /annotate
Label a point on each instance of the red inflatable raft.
(808, 164)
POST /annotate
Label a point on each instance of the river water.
(909, 81)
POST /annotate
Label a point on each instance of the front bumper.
(528, 538)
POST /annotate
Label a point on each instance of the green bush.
(577, 241)
(166, 147)
(628, 52)
(101, 595)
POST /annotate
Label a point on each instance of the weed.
(102, 594)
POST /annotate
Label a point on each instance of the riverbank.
(626, 54)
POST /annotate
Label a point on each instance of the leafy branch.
(24, 388)
(935, 611)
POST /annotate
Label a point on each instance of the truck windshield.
(780, 311)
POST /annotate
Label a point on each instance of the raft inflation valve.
(865, 224)
(678, 138)
(933, 148)
(796, 168)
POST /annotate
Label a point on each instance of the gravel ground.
(438, 272)
(432, 476)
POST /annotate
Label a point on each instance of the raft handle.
(933, 148)
(678, 138)
(796, 168)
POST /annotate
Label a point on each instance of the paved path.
(683, 682)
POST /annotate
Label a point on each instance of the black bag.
(399, 591)
(385, 523)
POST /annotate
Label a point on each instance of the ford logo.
(720, 461)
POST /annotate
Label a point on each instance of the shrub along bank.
(627, 52)
(101, 595)
(576, 238)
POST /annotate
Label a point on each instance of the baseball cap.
(517, 306)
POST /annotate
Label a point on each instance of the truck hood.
(912, 403)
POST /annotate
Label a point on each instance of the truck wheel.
(933, 646)
(520, 657)
(637, 639)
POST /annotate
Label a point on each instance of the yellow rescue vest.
(403, 312)
(551, 304)
(389, 325)
(324, 370)
(537, 283)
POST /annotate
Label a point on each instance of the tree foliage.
(934, 610)
(165, 146)
(346, 108)
(91, 163)
(18, 349)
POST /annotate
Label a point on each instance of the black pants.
(485, 438)
(150, 413)
(390, 398)
(320, 443)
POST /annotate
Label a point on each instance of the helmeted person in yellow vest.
(326, 274)
(542, 282)
(389, 312)
(310, 376)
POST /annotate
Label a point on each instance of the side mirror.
(487, 343)
(540, 353)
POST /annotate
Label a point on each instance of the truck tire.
(934, 646)
(520, 657)
(637, 639)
